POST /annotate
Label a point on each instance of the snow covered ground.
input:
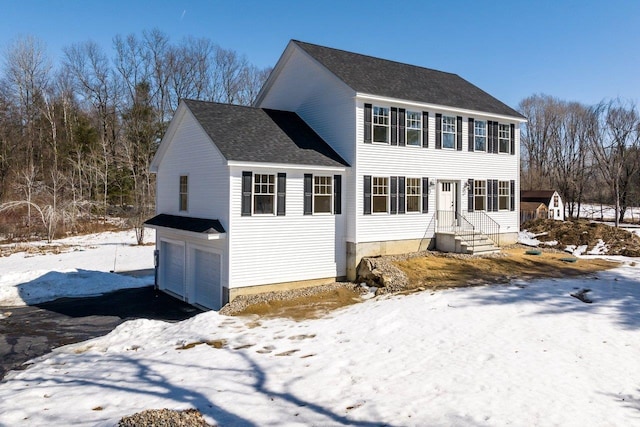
(521, 354)
(607, 212)
(82, 268)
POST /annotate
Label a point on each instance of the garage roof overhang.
(201, 228)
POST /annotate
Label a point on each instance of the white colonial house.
(342, 156)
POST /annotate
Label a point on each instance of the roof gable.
(376, 76)
(262, 135)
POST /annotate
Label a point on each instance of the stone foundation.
(232, 293)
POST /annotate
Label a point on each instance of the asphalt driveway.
(32, 331)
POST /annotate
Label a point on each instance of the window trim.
(183, 193)
(329, 195)
(418, 127)
(476, 135)
(417, 195)
(480, 184)
(386, 187)
(504, 139)
(254, 194)
(504, 186)
(374, 116)
(444, 132)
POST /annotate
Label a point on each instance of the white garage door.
(207, 279)
(173, 262)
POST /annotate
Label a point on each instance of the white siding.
(268, 249)
(436, 164)
(191, 153)
(327, 105)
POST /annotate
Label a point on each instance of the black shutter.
(425, 195)
(459, 133)
(489, 136)
(512, 195)
(513, 139)
(438, 131)
(495, 138)
(470, 204)
(367, 123)
(471, 132)
(394, 126)
(495, 195)
(425, 129)
(489, 195)
(247, 178)
(401, 127)
(282, 192)
(337, 194)
(401, 195)
(394, 195)
(308, 194)
(367, 195)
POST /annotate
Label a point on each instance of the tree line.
(589, 154)
(77, 137)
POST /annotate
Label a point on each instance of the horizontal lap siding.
(191, 153)
(273, 249)
(436, 164)
(328, 106)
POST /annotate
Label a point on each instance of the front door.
(447, 203)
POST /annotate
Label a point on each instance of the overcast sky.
(582, 51)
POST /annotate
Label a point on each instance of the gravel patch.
(243, 301)
(165, 418)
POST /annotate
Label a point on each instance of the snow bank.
(83, 268)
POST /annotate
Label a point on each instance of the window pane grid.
(448, 131)
(322, 194)
(503, 195)
(380, 124)
(264, 193)
(504, 134)
(184, 191)
(380, 190)
(413, 127)
(479, 195)
(413, 194)
(480, 135)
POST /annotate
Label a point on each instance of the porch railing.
(455, 222)
(486, 225)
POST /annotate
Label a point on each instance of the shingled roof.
(262, 135)
(375, 76)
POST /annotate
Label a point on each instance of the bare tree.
(614, 136)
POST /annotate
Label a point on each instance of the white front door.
(446, 203)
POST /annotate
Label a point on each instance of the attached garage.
(190, 258)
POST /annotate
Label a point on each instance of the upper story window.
(503, 195)
(414, 128)
(479, 195)
(556, 201)
(504, 138)
(480, 135)
(448, 132)
(184, 192)
(414, 194)
(264, 192)
(381, 124)
(322, 194)
(380, 195)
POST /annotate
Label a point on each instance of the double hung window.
(414, 194)
(503, 195)
(322, 194)
(414, 128)
(264, 186)
(380, 195)
(480, 135)
(381, 124)
(479, 195)
(448, 132)
(504, 137)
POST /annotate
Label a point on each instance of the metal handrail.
(486, 225)
(455, 222)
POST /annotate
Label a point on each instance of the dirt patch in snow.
(584, 232)
(417, 271)
(436, 271)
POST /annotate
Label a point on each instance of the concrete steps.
(477, 244)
